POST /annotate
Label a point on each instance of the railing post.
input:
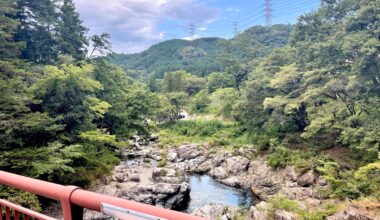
(69, 210)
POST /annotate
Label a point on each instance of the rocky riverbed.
(157, 176)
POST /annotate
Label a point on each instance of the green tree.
(37, 29)
(200, 101)
(175, 81)
(100, 44)
(68, 92)
(72, 34)
(9, 48)
(218, 80)
(132, 103)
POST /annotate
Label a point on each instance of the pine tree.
(71, 32)
(9, 48)
(37, 29)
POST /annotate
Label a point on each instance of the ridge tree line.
(315, 89)
(63, 118)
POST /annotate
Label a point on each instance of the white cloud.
(133, 24)
(191, 38)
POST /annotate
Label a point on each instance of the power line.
(255, 16)
(268, 13)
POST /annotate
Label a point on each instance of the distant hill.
(199, 57)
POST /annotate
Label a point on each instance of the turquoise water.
(205, 190)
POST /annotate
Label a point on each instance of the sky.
(135, 25)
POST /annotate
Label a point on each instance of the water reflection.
(205, 190)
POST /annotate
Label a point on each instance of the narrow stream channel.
(205, 190)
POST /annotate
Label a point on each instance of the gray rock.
(134, 177)
(204, 167)
(166, 175)
(163, 188)
(255, 214)
(119, 177)
(231, 212)
(154, 137)
(232, 181)
(144, 198)
(284, 215)
(291, 173)
(172, 156)
(189, 151)
(145, 188)
(307, 179)
(219, 173)
(212, 212)
(237, 164)
(219, 159)
(158, 172)
(109, 190)
(194, 163)
(351, 213)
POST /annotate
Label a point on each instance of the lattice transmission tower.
(268, 12)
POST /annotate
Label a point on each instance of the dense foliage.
(293, 91)
(306, 88)
(62, 118)
(197, 57)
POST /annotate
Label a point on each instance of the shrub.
(283, 203)
(280, 157)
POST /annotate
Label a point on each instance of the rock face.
(351, 213)
(219, 173)
(255, 214)
(141, 180)
(216, 212)
(237, 164)
(283, 215)
(187, 152)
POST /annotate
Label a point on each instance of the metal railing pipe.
(73, 199)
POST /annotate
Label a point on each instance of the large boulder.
(188, 151)
(172, 156)
(255, 214)
(258, 212)
(283, 215)
(351, 213)
(177, 200)
(219, 173)
(119, 177)
(212, 212)
(237, 164)
(166, 175)
(219, 158)
(134, 177)
(163, 188)
(291, 174)
(204, 167)
(307, 179)
(232, 181)
(194, 163)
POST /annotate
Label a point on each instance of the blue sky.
(135, 25)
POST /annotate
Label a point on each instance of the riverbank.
(160, 176)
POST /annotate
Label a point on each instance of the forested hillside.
(197, 57)
(305, 96)
(203, 56)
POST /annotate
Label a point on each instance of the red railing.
(73, 200)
